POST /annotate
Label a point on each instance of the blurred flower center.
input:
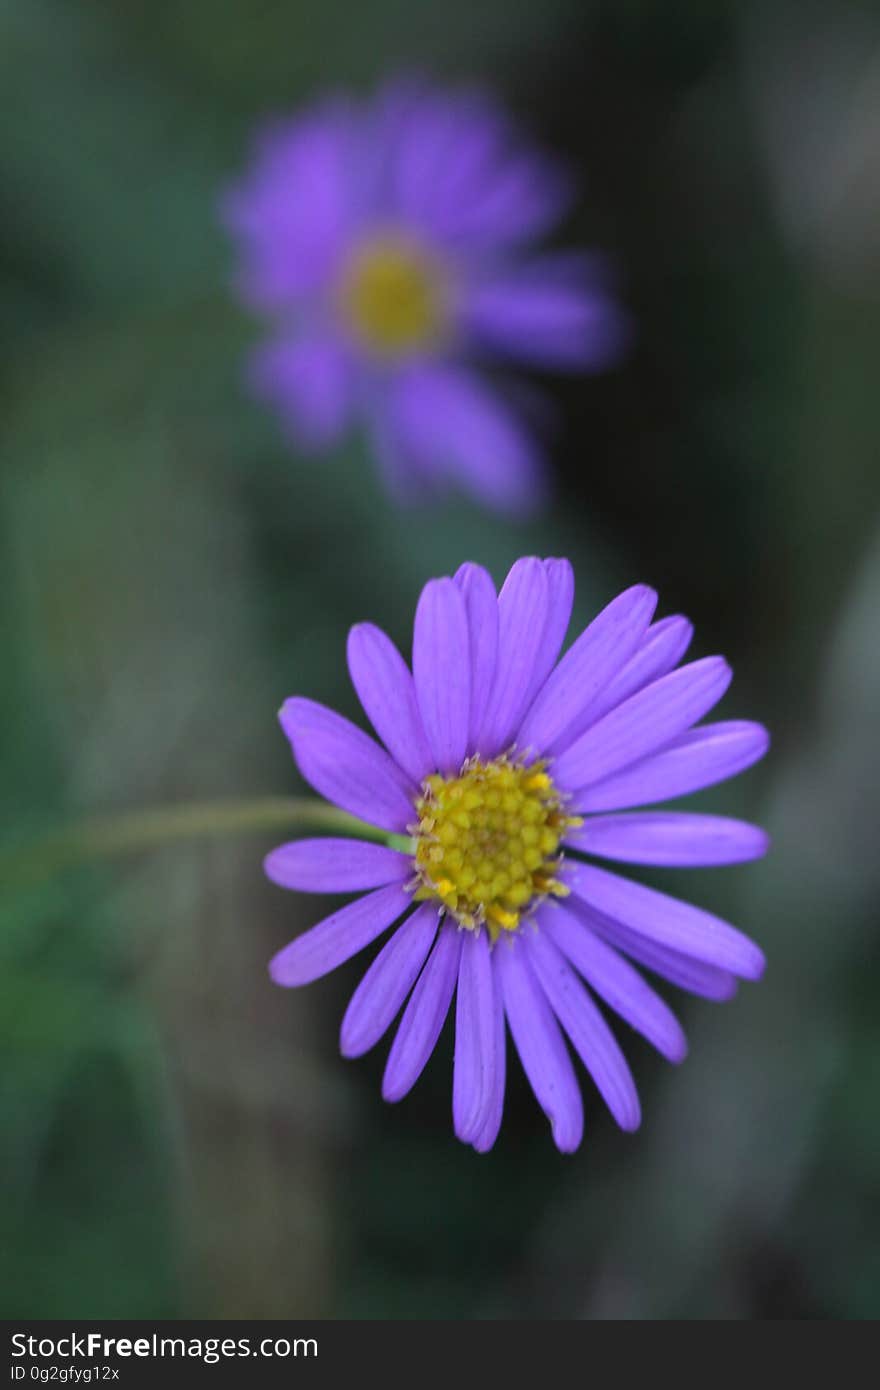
(487, 842)
(393, 297)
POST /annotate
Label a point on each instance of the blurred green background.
(180, 1137)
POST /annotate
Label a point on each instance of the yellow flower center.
(487, 842)
(393, 297)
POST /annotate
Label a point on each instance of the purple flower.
(509, 769)
(389, 243)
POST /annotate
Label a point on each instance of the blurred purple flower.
(503, 765)
(390, 244)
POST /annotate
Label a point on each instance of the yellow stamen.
(393, 297)
(488, 842)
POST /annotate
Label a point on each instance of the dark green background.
(180, 1137)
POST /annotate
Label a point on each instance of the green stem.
(102, 837)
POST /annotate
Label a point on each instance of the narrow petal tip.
(270, 866)
(290, 715)
(282, 714)
(278, 974)
(630, 1120)
(393, 1090)
(351, 1045)
(566, 1137)
(644, 594)
(754, 963)
(720, 668)
(676, 1048)
(482, 1146)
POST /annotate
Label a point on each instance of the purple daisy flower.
(507, 769)
(389, 243)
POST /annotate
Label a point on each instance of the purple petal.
(335, 866)
(524, 198)
(346, 766)
(292, 212)
(615, 980)
(481, 603)
(644, 722)
(385, 688)
(560, 596)
(407, 476)
(670, 838)
(695, 976)
(339, 937)
(661, 649)
(695, 760)
(495, 1106)
(440, 425)
(473, 1078)
(424, 1015)
(388, 981)
(587, 667)
(310, 382)
(522, 616)
(666, 920)
(593, 1040)
(540, 1045)
(435, 145)
(546, 313)
(488, 450)
(442, 671)
(442, 147)
(460, 171)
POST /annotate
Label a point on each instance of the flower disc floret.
(488, 842)
(393, 297)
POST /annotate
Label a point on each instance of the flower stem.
(102, 837)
